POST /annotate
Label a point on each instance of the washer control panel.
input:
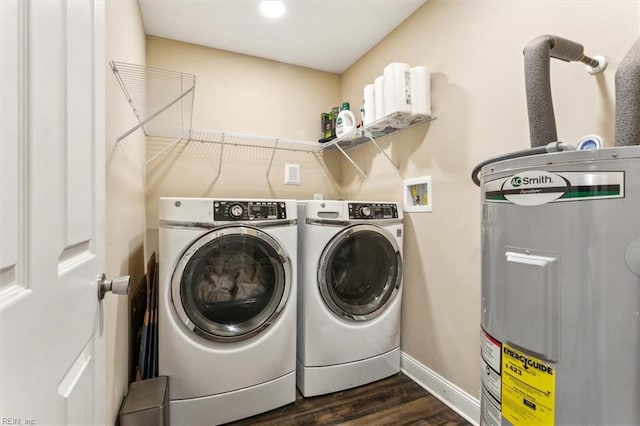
(373, 211)
(248, 210)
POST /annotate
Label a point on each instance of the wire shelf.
(154, 91)
(240, 139)
(392, 123)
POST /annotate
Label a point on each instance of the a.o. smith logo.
(517, 181)
(534, 187)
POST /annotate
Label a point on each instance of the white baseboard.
(450, 394)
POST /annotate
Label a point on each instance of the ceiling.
(327, 35)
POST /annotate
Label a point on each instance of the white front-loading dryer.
(349, 293)
(227, 307)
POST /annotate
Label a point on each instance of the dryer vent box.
(292, 174)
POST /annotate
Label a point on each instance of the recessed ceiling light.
(272, 8)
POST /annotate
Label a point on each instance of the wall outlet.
(292, 174)
(317, 196)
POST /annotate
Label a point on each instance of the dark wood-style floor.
(396, 400)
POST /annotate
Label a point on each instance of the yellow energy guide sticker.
(528, 389)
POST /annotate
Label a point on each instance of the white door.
(51, 211)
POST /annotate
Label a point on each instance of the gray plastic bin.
(147, 403)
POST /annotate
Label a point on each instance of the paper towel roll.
(369, 104)
(420, 91)
(379, 97)
(397, 88)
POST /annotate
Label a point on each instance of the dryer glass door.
(360, 271)
(231, 283)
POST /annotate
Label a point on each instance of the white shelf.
(153, 91)
(392, 123)
(384, 127)
(388, 125)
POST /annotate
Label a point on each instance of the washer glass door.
(231, 283)
(360, 271)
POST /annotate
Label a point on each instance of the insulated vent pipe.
(628, 98)
(537, 55)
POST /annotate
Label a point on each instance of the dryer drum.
(359, 272)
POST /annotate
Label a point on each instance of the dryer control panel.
(373, 211)
(248, 210)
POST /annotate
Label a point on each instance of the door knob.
(118, 285)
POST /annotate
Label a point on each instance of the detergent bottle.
(346, 121)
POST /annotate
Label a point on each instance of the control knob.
(235, 211)
(365, 211)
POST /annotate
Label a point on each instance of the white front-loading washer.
(349, 293)
(227, 307)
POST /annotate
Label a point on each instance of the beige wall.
(125, 209)
(474, 51)
(242, 94)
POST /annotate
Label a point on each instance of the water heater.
(560, 337)
(561, 289)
